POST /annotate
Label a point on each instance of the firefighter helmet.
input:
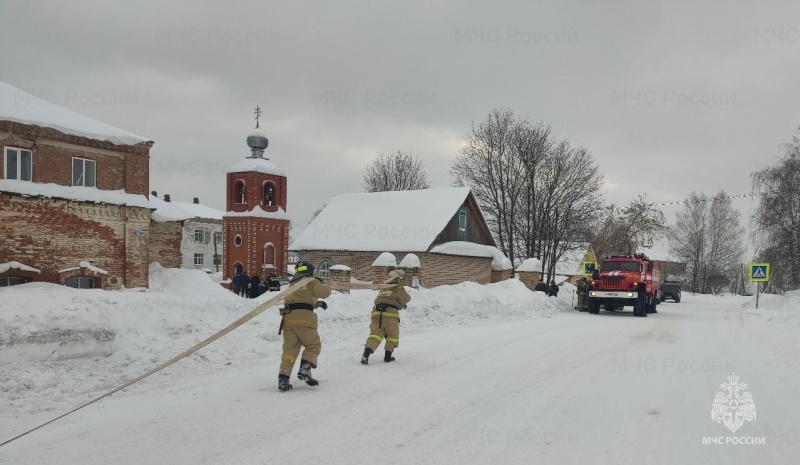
(303, 269)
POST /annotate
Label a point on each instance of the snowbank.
(60, 345)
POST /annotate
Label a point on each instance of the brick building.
(200, 243)
(444, 228)
(255, 226)
(73, 197)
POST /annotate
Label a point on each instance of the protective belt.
(288, 309)
(380, 309)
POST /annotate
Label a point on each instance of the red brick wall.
(254, 185)
(255, 233)
(118, 166)
(51, 235)
(165, 243)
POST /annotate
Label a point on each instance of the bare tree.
(489, 165)
(688, 237)
(566, 192)
(628, 229)
(777, 219)
(708, 236)
(399, 171)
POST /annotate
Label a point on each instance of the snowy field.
(485, 374)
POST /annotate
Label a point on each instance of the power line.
(711, 199)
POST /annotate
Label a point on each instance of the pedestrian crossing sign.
(589, 267)
(759, 272)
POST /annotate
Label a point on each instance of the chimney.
(166, 197)
(196, 200)
(154, 194)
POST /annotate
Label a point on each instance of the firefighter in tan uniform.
(299, 327)
(386, 318)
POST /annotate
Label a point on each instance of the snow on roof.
(340, 268)
(198, 210)
(21, 107)
(405, 221)
(13, 265)
(87, 265)
(259, 212)
(259, 165)
(385, 259)
(531, 265)
(409, 261)
(77, 193)
(167, 211)
(471, 249)
(570, 262)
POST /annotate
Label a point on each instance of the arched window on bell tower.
(269, 255)
(239, 190)
(270, 194)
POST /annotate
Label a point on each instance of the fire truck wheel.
(640, 308)
(594, 306)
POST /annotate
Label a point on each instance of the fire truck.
(625, 280)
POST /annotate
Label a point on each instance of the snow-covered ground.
(485, 374)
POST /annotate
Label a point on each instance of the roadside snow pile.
(62, 345)
(777, 309)
(180, 282)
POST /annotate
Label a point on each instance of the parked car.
(671, 290)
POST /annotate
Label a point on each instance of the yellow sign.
(589, 267)
(759, 272)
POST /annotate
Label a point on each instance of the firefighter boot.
(283, 383)
(304, 373)
(365, 357)
(387, 357)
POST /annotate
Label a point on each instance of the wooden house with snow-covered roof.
(74, 205)
(443, 228)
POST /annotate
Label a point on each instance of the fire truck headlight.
(630, 294)
(593, 293)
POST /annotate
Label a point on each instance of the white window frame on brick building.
(80, 173)
(199, 235)
(323, 270)
(199, 258)
(23, 161)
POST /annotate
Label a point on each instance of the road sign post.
(759, 273)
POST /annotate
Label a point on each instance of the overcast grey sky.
(669, 96)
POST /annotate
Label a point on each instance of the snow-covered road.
(569, 389)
